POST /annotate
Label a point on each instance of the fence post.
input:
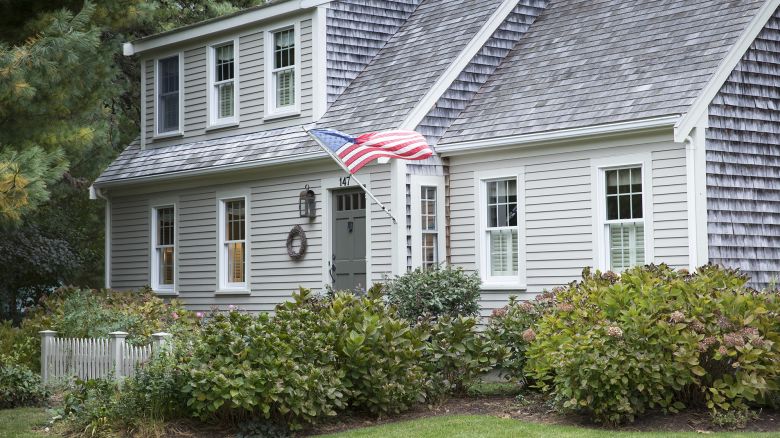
(160, 340)
(46, 337)
(117, 351)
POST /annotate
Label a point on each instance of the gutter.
(466, 147)
(97, 186)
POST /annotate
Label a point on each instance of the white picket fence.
(88, 358)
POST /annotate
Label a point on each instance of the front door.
(348, 261)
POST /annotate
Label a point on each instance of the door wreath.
(298, 232)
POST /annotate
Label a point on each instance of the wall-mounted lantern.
(306, 204)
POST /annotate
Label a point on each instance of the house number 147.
(344, 181)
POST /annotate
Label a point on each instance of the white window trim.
(223, 287)
(212, 100)
(599, 166)
(483, 257)
(271, 111)
(417, 183)
(180, 131)
(154, 280)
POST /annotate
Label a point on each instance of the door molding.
(328, 186)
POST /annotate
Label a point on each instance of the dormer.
(272, 66)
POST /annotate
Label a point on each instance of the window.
(233, 241)
(429, 227)
(168, 99)
(428, 244)
(282, 92)
(502, 232)
(164, 248)
(625, 226)
(223, 83)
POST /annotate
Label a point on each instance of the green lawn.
(456, 426)
(19, 423)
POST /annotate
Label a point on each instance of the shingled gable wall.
(743, 163)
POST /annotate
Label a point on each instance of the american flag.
(356, 152)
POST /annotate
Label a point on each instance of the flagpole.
(352, 176)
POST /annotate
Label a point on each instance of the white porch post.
(160, 340)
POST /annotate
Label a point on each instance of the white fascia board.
(688, 122)
(558, 135)
(218, 25)
(296, 158)
(433, 95)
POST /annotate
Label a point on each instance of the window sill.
(165, 293)
(504, 286)
(168, 135)
(232, 292)
(281, 115)
(218, 126)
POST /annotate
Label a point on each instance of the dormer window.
(282, 91)
(168, 95)
(224, 89)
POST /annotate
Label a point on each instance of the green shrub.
(380, 354)
(458, 353)
(509, 324)
(90, 407)
(246, 366)
(653, 337)
(18, 385)
(435, 292)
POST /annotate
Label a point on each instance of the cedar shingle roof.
(590, 62)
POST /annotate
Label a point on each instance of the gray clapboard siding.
(356, 31)
(462, 90)
(273, 204)
(197, 233)
(559, 210)
(129, 243)
(251, 80)
(743, 163)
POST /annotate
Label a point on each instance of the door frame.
(329, 186)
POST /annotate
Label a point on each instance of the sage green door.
(348, 261)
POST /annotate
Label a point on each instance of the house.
(568, 133)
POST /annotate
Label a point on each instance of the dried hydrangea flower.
(500, 312)
(529, 335)
(677, 316)
(697, 326)
(565, 307)
(723, 351)
(615, 332)
(707, 342)
(733, 340)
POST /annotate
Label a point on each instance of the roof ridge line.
(427, 102)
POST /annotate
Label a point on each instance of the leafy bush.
(90, 407)
(315, 356)
(458, 353)
(510, 324)
(244, 366)
(18, 385)
(441, 291)
(378, 352)
(74, 312)
(615, 346)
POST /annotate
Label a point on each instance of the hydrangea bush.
(616, 345)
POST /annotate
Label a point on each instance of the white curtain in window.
(627, 245)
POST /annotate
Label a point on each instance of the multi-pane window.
(164, 247)
(168, 94)
(502, 230)
(625, 219)
(283, 73)
(224, 86)
(234, 240)
(429, 227)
